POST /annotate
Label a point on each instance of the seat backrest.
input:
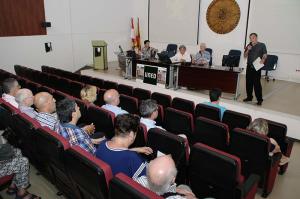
(75, 88)
(212, 133)
(51, 147)
(171, 49)
(100, 94)
(86, 79)
(236, 120)
(271, 62)
(253, 150)
(168, 143)
(141, 137)
(125, 89)
(183, 105)
(98, 82)
(210, 52)
(141, 94)
(278, 132)
(162, 99)
(102, 119)
(34, 87)
(207, 111)
(110, 85)
(83, 106)
(58, 95)
(213, 173)
(161, 116)
(128, 103)
(90, 174)
(233, 52)
(46, 89)
(122, 186)
(179, 122)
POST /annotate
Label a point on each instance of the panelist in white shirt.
(182, 55)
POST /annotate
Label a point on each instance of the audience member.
(13, 163)
(112, 100)
(69, 113)
(46, 108)
(89, 94)
(202, 57)
(149, 112)
(115, 152)
(160, 178)
(261, 126)
(24, 98)
(215, 95)
(182, 55)
(10, 87)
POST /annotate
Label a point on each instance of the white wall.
(74, 24)
(260, 17)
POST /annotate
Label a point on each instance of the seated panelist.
(182, 55)
(147, 51)
(202, 57)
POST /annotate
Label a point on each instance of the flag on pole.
(138, 36)
(132, 35)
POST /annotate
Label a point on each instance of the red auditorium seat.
(102, 119)
(162, 99)
(212, 133)
(5, 181)
(207, 111)
(52, 148)
(125, 89)
(46, 89)
(141, 137)
(236, 120)
(34, 87)
(58, 95)
(141, 94)
(121, 186)
(90, 175)
(216, 174)
(253, 150)
(83, 106)
(183, 105)
(278, 131)
(130, 104)
(98, 82)
(75, 88)
(179, 122)
(110, 85)
(100, 94)
(168, 143)
(86, 79)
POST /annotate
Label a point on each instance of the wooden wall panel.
(22, 17)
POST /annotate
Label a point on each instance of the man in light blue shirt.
(149, 112)
(112, 100)
(214, 96)
(202, 57)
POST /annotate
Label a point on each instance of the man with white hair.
(24, 98)
(182, 55)
(46, 107)
(202, 57)
(112, 100)
(149, 113)
(161, 175)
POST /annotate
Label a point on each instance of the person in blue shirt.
(112, 101)
(215, 95)
(116, 152)
(149, 113)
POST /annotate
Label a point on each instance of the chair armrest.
(249, 188)
(289, 142)
(275, 159)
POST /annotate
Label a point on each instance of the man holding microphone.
(253, 51)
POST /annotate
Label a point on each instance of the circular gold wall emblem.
(223, 16)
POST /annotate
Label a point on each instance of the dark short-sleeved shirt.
(256, 51)
(122, 160)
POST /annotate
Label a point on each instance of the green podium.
(99, 54)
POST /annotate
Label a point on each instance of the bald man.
(161, 175)
(46, 107)
(24, 98)
(112, 100)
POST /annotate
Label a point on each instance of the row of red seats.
(211, 123)
(78, 174)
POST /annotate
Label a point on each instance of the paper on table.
(257, 65)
